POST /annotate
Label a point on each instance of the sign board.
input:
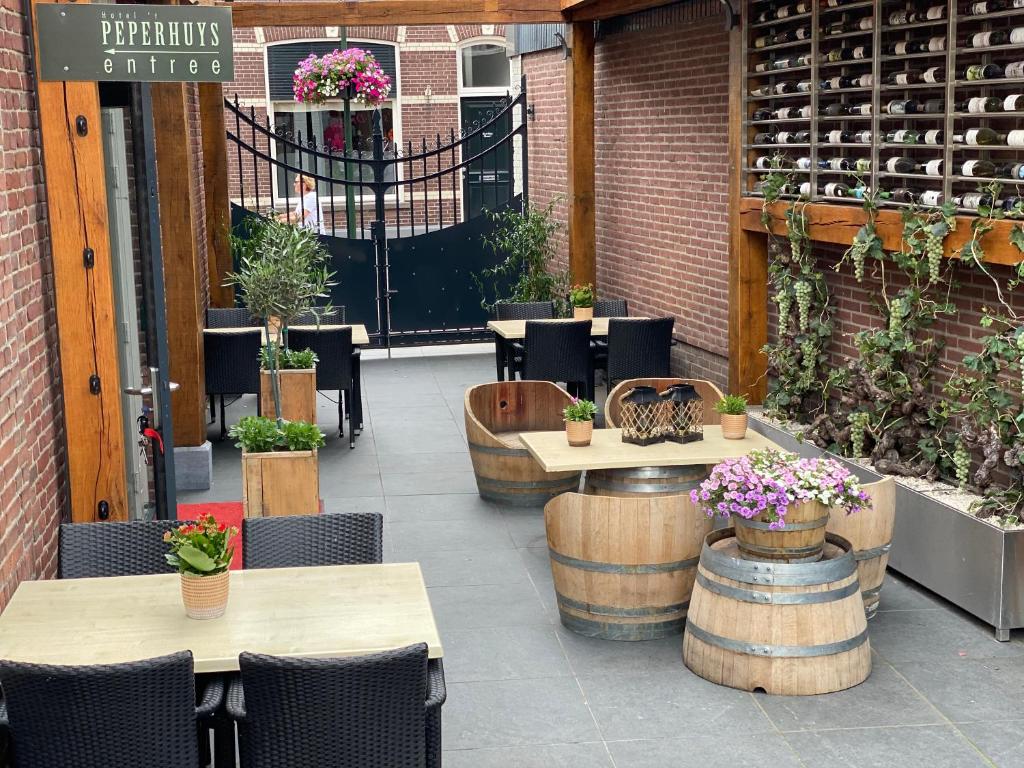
(134, 43)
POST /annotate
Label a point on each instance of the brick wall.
(33, 488)
(661, 176)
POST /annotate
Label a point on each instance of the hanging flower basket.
(352, 73)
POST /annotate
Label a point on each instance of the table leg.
(357, 396)
(500, 355)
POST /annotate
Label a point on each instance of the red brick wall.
(33, 487)
(661, 146)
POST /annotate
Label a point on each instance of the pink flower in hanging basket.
(334, 75)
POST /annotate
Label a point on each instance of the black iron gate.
(404, 225)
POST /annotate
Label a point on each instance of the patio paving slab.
(524, 692)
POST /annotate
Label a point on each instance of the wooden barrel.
(624, 567)
(801, 540)
(783, 628)
(505, 471)
(645, 481)
(870, 533)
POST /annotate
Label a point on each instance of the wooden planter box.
(280, 483)
(298, 395)
(973, 564)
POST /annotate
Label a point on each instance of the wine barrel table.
(781, 628)
(496, 417)
(624, 568)
(645, 481)
(870, 533)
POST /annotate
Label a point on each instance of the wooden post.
(215, 184)
(71, 131)
(182, 263)
(748, 258)
(579, 101)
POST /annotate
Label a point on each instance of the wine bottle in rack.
(1013, 171)
(903, 136)
(934, 44)
(934, 75)
(835, 83)
(862, 165)
(901, 165)
(862, 137)
(1013, 203)
(980, 137)
(803, 163)
(771, 162)
(932, 107)
(932, 197)
(973, 200)
(863, 109)
(932, 167)
(901, 107)
(805, 111)
(1015, 138)
(908, 77)
(863, 81)
(838, 54)
(784, 87)
(837, 137)
(976, 169)
(987, 7)
(762, 114)
(1014, 103)
(983, 72)
(786, 113)
(1014, 70)
(764, 138)
(837, 109)
(934, 137)
(860, 52)
(838, 164)
(978, 104)
(904, 195)
(837, 189)
(804, 86)
(988, 39)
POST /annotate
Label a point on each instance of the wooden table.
(346, 610)
(506, 331)
(360, 337)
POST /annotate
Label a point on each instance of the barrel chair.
(870, 533)
(496, 415)
(708, 392)
(624, 568)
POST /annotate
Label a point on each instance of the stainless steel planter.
(974, 565)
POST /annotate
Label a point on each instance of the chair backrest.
(360, 711)
(131, 548)
(117, 716)
(525, 310)
(232, 362)
(708, 392)
(348, 538)
(334, 352)
(229, 317)
(611, 308)
(639, 348)
(335, 317)
(557, 351)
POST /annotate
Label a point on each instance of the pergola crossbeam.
(393, 12)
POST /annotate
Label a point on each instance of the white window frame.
(488, 91)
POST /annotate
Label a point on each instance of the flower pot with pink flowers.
(579, 421)
(779, 503)
(201, 552)
(352, 73)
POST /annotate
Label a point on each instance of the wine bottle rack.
(900, 69)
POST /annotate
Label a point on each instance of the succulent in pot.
(202, 552)
(579, 421)
(733, 412)
(581, 296)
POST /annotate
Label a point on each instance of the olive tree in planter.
(282, 272)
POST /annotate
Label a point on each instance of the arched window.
(484, 67)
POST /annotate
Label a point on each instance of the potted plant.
(201, 552)
(296, 371)
(779, 503)
(280, 474)
(353, 72)
(733, 410)
(579, 421)
(582, 299)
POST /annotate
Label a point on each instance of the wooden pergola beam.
(598, 10)
(579, 103)
(392, 12)
(215, 183)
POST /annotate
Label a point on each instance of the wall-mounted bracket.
(732, 17)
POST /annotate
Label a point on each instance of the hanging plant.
(352, 73)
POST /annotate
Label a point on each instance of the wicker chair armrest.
(235, 701)
(212, 698)
(436, 690)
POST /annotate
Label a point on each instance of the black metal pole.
(379, 233)
(524, 116)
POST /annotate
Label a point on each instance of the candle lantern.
(643, 416)
(684, 408)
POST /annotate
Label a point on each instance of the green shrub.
(259, 434)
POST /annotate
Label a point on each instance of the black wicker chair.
(143, 713)
(346, 538)
(232, 367)
(639, 349)
(230, 317)
(336, 368)
(130, 548)
(560, 352)
(335, 317)
(378, 710)
(509, 354)
(611, 308)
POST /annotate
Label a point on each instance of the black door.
(488, 181)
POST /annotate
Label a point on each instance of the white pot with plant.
(579, 422)
(733, 411)
(581, 296)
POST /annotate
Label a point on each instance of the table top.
(346, 610)
(516, 329)
(607, 451)
(360, 337)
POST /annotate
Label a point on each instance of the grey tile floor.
(524, 692)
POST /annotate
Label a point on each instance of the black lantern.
(684, 410)
(643, 419)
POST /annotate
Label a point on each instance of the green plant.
(282, 273)
(524, 241)
(732, 405)
(580, 410)
(259, 434)
(287, 359)
(582, 295)
(201, 548)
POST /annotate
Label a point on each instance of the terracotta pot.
(579, 433)
(582, 313)
(205, 597)
(801, 541)
(734, 427)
